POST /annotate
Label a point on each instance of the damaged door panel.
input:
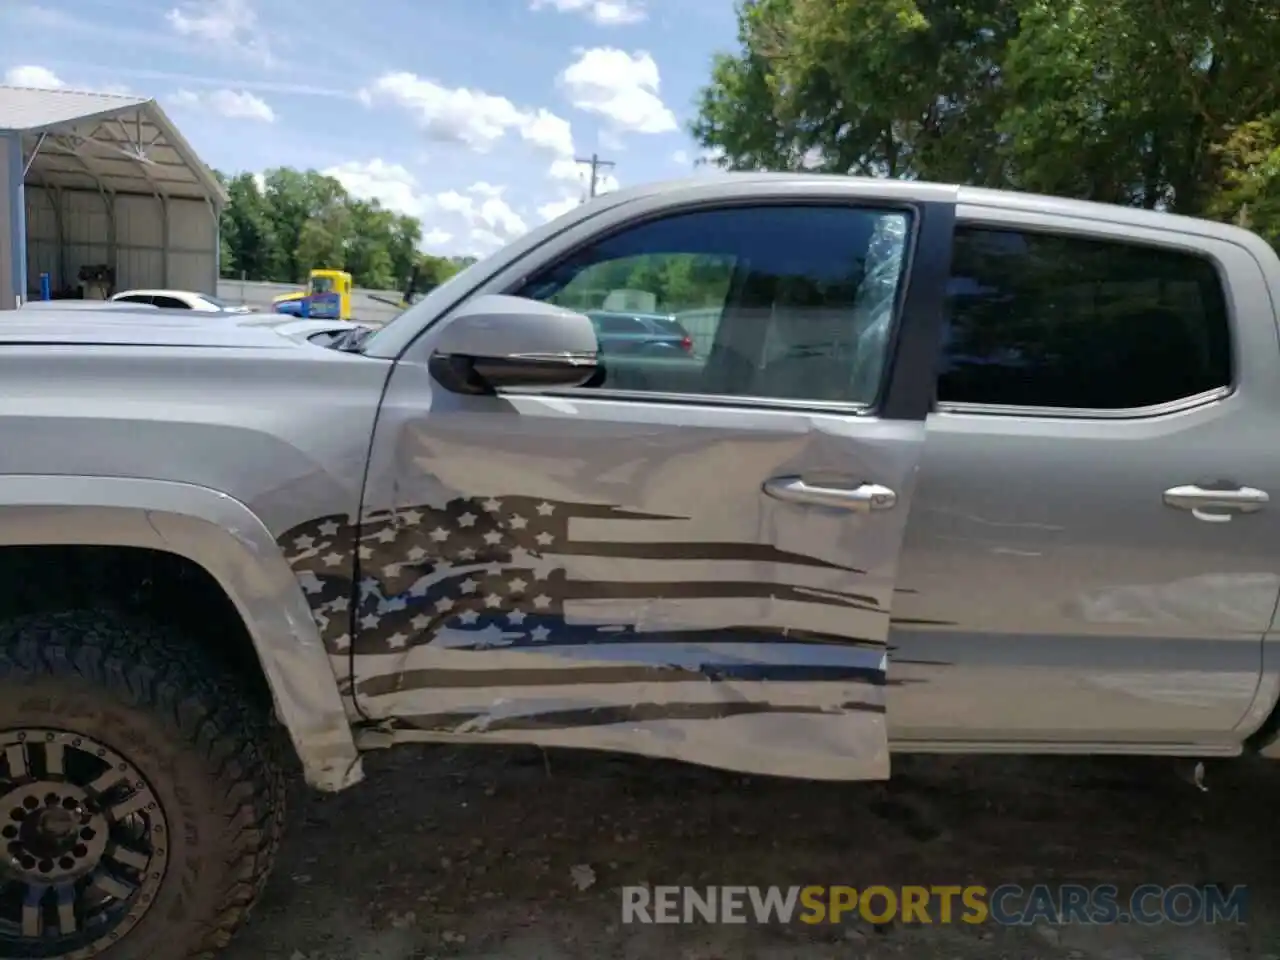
(694, 554)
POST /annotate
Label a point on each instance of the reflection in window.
(1050, 321)
(793, 302)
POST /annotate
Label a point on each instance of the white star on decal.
(370, 621)
(493, 600)
(411, 518)
(468, 519)
(385, 535)
(342, 642)
(539, 634)
(518, 522)
(397, 640)
(444, 604)
(468, 586)
(416, 554)
(545, 539)
(329, 529)
(304, 543)
(420, 622)
(310, 582)
(542, 600)
(439, 534)
(517, 585)
(468, 616)
(493, 538)
(516, 617)
(545, 509)
(492, 505)
(332, 559)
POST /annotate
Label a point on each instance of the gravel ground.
(471, 853)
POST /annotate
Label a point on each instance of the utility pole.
(596, 165)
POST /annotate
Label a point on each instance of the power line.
(596, 165)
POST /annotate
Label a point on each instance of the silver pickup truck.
(957, 470)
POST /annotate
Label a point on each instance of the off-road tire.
(211, 756)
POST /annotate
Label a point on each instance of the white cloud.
(568, 170)
(32, 76)
(620, 86)
(556, 208)
(42, 78)
(604, 12)
(545, 129)
(470, 117)
(233, 104)
(681, 158)
(475, 220)
(390, 184)
(223, 24)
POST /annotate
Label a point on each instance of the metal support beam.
(35, 152)
(216, 212)
(17, 221)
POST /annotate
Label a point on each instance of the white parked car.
(179, 300)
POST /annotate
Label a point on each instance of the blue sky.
(465, 113)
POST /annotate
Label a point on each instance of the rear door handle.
(861, 499)
(1215, 506)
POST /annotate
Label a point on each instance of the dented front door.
(696, 558)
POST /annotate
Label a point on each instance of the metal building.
(94, 180)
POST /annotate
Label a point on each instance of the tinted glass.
(623, 325)
(172, 303)
(1051, 321)
(792, 302)
(134, 298)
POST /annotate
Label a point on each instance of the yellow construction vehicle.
(327, 297)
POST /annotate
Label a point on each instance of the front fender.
(228, 540)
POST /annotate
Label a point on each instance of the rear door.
(694, 558)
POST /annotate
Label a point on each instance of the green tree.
(1158, 103)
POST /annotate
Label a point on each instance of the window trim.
(887, 404)
(1059, 228)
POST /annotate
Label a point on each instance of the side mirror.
(497, 341)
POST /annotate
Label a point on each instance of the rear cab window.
(1041, 320)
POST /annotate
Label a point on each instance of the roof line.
(107, 113)
(176, 140)
(184, 149)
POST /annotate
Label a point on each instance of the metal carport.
(92, 179)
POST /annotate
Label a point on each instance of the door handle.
(861, 499)
(1229, 502)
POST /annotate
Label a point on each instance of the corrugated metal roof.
(92, 141)
(26, 108)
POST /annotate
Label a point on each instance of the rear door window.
(1043, 320)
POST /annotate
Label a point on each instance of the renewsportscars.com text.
(1005, 905)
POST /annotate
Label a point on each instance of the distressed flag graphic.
(575, 606)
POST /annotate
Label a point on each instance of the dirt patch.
(519, 855)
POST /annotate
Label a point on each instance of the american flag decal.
(515, 597)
